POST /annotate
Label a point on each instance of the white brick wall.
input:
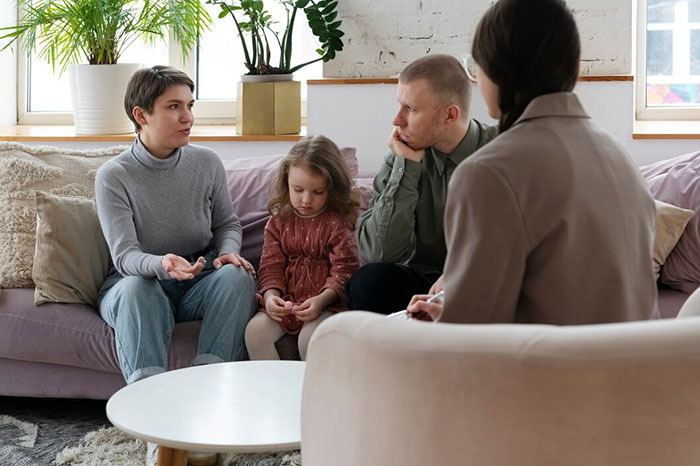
(381, 37)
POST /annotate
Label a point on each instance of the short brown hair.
(147, 84)
(446, 77)
(321, 156)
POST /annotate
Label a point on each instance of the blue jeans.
(143, 312)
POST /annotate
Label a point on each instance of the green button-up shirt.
(404, 221)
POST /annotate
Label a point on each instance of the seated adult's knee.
(239, 277)
(373, 288)
(134, 293)
(370, 277)
(137, 286)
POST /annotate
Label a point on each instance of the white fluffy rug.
(112, 447)
(105, 447)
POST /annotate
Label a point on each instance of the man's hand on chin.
(402, 149)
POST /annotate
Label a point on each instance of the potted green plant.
(275, 108)
(68, 33)
(257, 30)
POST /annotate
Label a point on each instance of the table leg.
(171, 457)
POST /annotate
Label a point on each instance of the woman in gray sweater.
(167, 216)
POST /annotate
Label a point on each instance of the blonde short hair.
(446, 77)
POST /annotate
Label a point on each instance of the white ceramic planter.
(97, 92)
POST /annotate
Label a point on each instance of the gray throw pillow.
(72, 259)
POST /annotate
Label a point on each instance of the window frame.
(642, 112)
(208, 112)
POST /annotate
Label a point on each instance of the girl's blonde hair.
(320, 156)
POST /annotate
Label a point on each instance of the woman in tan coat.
(550, 222)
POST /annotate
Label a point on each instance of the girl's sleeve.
(343, 257)
(273, 261)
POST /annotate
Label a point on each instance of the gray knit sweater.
(149, 207)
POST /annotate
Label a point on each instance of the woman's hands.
(235, 259)
(438, 286)
(179, 268)
(423, 310)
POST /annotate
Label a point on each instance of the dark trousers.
(385, 288)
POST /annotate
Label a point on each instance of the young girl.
(309, 250)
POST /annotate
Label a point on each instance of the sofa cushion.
(24, 170)
(670, 224)
(676, 181)
(73, 334)
(249, 182)
(71, 260)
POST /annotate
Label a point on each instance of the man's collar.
(465, 148)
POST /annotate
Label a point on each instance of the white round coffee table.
(235, 407)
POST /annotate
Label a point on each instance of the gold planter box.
(269, 108)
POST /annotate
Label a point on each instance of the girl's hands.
(309, 309)
(312, 307)
(275, 307)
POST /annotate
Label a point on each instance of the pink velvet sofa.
(67, 350)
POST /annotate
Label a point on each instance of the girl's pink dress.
(302, 256)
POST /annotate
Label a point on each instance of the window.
(668, 65)
(44, 96)
(219, 63)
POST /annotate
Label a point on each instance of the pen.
(407, 315)
(435, 296)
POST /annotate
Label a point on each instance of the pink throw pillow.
(677, 181)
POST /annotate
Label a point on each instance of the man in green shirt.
(401, 234)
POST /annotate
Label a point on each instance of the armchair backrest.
(381, 391)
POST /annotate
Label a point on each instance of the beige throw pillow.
(670, 224)
(72, 258)
(24, 170)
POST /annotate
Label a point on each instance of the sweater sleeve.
(273, 261)
(117, 221)
(487, 244)
(386, 228)
(343, 258)
(225, 225)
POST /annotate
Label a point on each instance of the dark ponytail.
(527, 48)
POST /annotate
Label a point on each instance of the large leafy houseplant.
(254, 23)
(97, 31)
